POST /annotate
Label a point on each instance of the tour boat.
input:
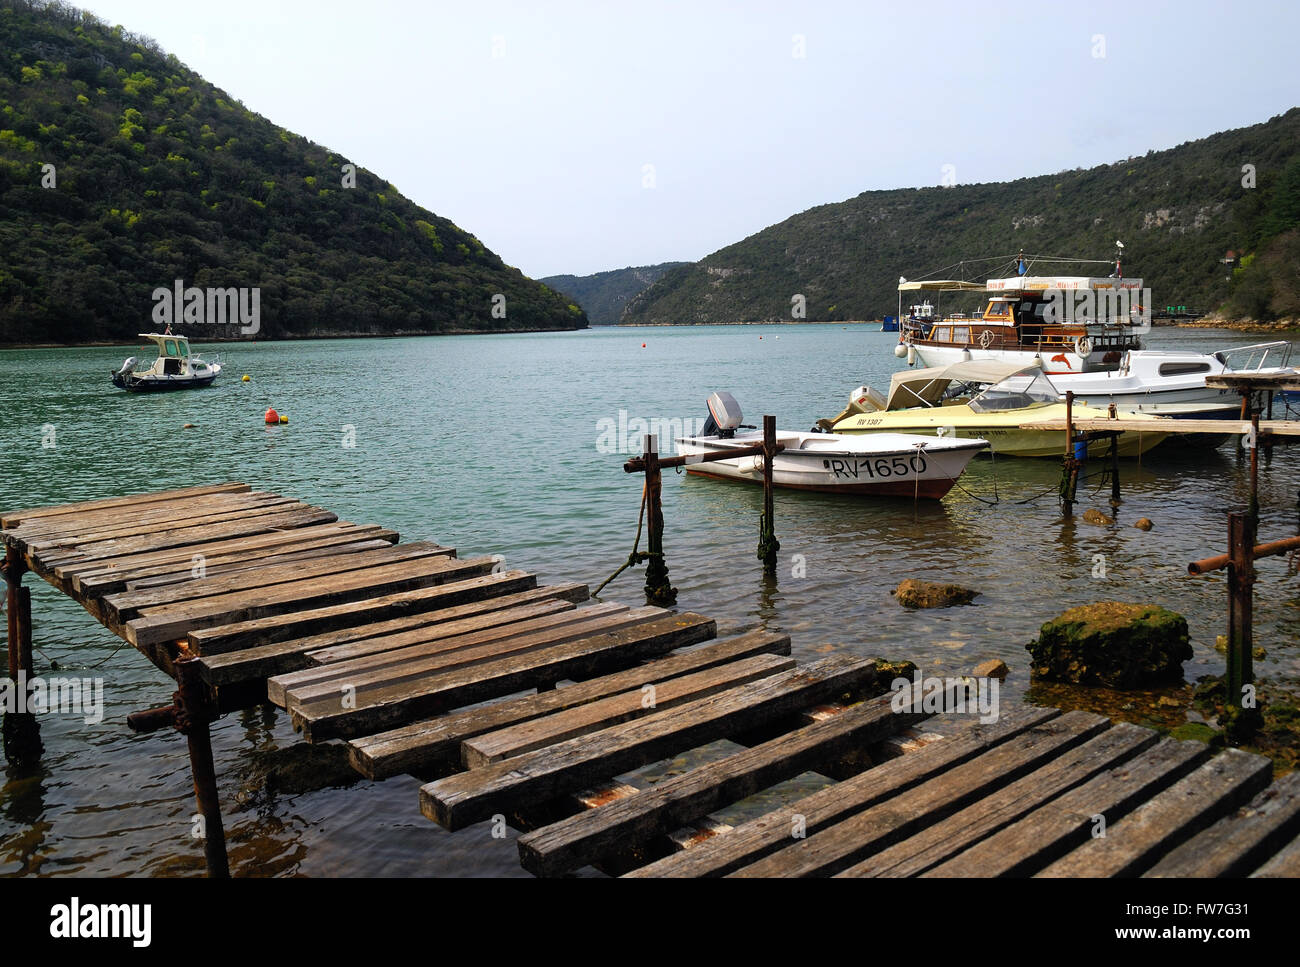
(175, 367)
(981, 399)
(885, 465)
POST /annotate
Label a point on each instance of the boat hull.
(162, 385)
(903, 467)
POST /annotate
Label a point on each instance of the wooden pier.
(530, 705)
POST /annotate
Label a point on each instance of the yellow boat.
(981, 399)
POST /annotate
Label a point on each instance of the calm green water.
(490, 443)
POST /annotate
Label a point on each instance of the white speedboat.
(878, 465)
(175, 367)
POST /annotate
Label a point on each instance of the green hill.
(157, 176)
(605, 295)
(1178, 213)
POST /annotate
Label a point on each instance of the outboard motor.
(724, 416)
(127, 366)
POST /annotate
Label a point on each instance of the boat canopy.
(169, 346)
(1041, 283)
(940, 285)
(925, 387)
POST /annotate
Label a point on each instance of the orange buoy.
(272, 416)
(643, 345)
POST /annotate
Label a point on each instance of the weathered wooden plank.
(469, 797)
(1057, 827)
(601, 714)
(12, 518)
(1286, 862)
(273, 556)
(78, 573)
(939, 841)
(128, 604)
(197, 538)
(405, 703)
(433, 745)
(264, 661)
(171, 621)
(390, 668)
(836, 847)
(764, 835)
(1137, 840)
(184, 527)
(356, 614)
(1240, 841)
(674, 802)
(158, 515)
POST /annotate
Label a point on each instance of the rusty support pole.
(21, 734)
(1241, 580)
(658, 590)
(1071, 467)
(768, 545)
(1254, 467)
(196, 712)
(1115, 500)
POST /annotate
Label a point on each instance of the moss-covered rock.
(912, 593)
(1200, 732)
(887, 671)
(1114, 644)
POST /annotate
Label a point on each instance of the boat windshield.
(1016, 393)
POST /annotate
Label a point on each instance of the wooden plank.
(469, 797)
(166, 575)
(939, 841)
(1286, 862)
(12, 518)
(837, 847)
(282, 656)
(186, 526)
(390, 668)
(764, 835)
(433, 744)
(1137, 840)
(152, 514)
(78, 573)
(171, 621)
(313, 621)
(1057, 827)
(584, 838)
(601, 714)
(197, 538)
(1241, 841)
(405, 703)
(128, 604)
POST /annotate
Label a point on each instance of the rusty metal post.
(768, 545)
(658, 590)
(1241, 580)
(1115, 500)
(1070, 469)
(1254, 466)
(195, 712)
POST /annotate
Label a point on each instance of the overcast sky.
(532, 124)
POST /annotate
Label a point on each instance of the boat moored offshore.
(175, 368)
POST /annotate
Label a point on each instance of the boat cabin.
(173, 355)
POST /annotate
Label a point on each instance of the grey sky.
(530, 124)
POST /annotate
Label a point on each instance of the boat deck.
(530, 705)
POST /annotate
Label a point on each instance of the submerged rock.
(912, 593)
(1143, 524)
(887, 671)
(1093, 516)
(1114, 644)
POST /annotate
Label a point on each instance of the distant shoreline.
(766, 322)
(232, 340)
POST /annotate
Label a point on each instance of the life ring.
(1083, 346)
(986, 339)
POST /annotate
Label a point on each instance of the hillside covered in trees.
(1178, 212)
(121, 170)
(605, 295)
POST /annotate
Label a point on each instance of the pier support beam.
(658, 590)
(22, 736)
(768, 545)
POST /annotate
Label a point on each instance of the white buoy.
(900, 350)
(911, 356)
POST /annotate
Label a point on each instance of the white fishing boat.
(879, 465)
(175, 368)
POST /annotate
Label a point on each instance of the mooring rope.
(636, 557)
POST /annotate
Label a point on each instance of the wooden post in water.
(1254, 467)
(768, 545)
(1241, 580)
(1071, 468)
(658, 590)
(194, 716)
(21, 734)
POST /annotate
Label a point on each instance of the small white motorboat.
(877, 465)
(175, 367)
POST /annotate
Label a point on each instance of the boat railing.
(1243, 359)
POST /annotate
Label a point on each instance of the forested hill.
(1177, 211)
(157, 175)
(605, 295)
